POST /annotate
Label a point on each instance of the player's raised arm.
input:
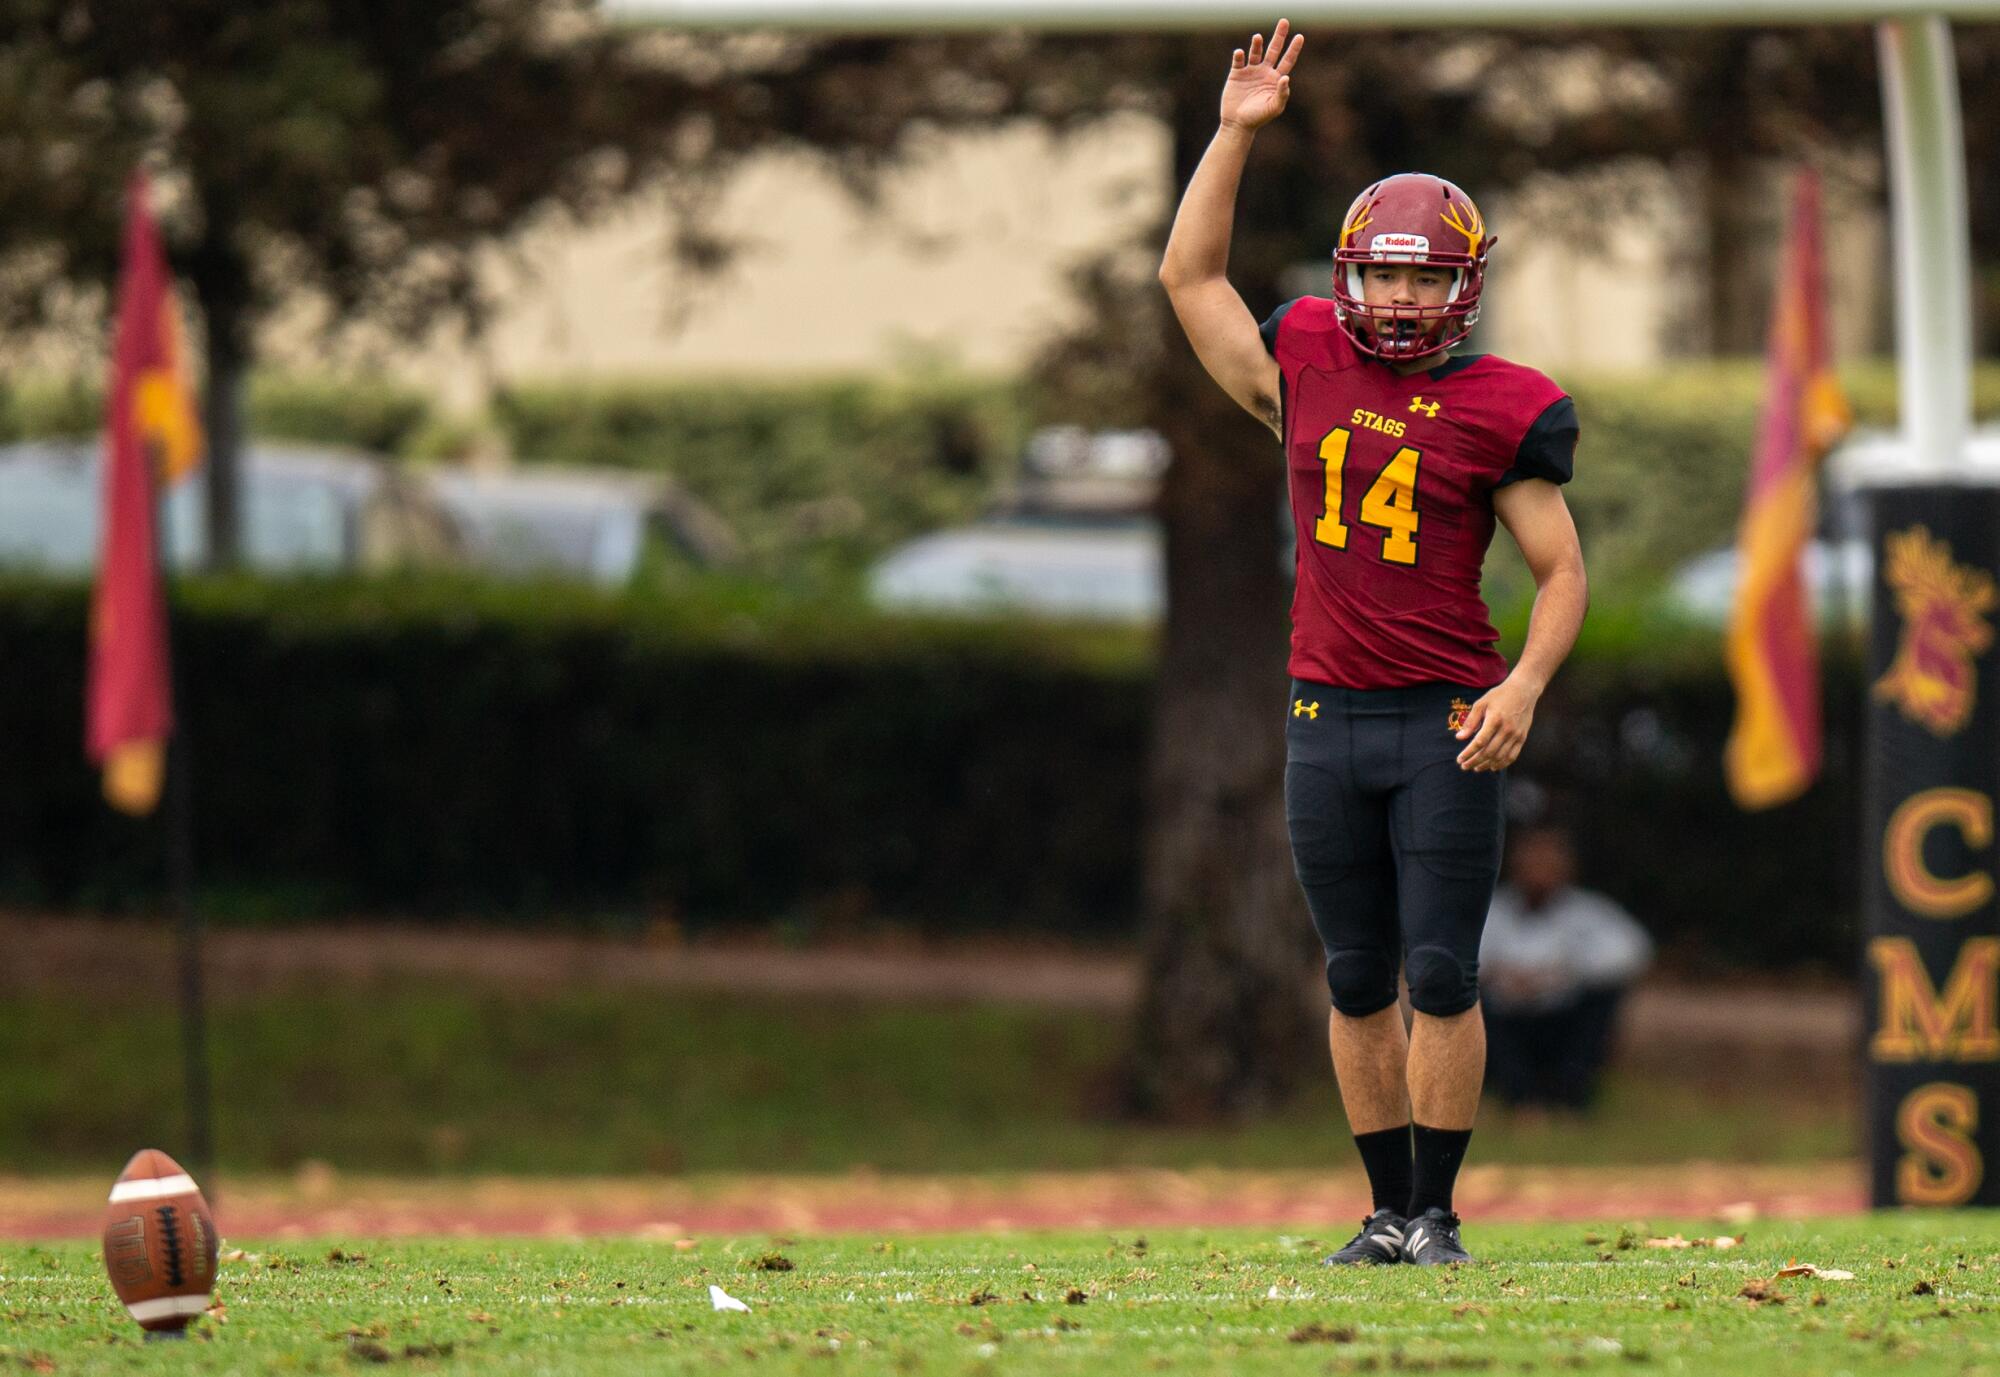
(1195, 269)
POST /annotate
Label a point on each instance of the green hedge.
(364, 413)
(819, 478)
(550, 755)
(816, 478)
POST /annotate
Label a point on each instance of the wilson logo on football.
(1932, 678)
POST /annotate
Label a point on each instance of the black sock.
(1438, 1154)
(1386, 1155)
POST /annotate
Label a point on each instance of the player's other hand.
(1497, 727)
(1260, 81)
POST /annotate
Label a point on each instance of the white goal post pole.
(1933, 242)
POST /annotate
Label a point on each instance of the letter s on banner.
(1942, 1166)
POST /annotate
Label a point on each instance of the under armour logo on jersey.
(1301, 708)
(1428, 408)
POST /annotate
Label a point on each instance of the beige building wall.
(964, 266)
(1608, 272)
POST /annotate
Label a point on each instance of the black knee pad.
(1362, 980)
(1440, 984)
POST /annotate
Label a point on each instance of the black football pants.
(1397, 848)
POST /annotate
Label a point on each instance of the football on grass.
(159, 1242)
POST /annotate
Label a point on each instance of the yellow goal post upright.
(1931, 975)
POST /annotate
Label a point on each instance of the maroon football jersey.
(1392, 481)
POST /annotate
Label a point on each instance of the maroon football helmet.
(1411, 217)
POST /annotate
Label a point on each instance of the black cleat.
(1431, 1240)
(1379, 1243)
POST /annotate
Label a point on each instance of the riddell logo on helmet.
(1399, 243)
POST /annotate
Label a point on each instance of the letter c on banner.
(1910, 880)
(1942, 1167)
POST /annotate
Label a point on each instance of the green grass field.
(1925, 1298)
(402, 1078)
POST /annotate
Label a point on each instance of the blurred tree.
(364, 148)
(371, 149)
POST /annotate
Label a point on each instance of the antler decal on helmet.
(1469, 223)
(1360, 218)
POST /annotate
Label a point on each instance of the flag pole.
(181, 906)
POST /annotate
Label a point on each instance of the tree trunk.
(1226, 1021)
(1738, 283)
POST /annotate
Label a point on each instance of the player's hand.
(1260, 81)
(1497, 727)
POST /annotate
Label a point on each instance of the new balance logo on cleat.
(1432, 1240)
(1379, 1243)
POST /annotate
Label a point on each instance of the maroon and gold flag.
(152, 439)
(1773, 649)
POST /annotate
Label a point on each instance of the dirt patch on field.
(318, 1203)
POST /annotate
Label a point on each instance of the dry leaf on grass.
(1313, 1332)
(1719, 1242)
(1807, 1269)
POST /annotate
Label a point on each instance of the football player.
(1402, 715)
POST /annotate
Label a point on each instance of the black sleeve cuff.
(1269, 329)
(1548, 450)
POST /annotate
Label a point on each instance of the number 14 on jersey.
(1390, 504)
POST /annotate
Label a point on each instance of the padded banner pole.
(1931, 969)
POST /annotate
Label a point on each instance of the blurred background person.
(1554, 964)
